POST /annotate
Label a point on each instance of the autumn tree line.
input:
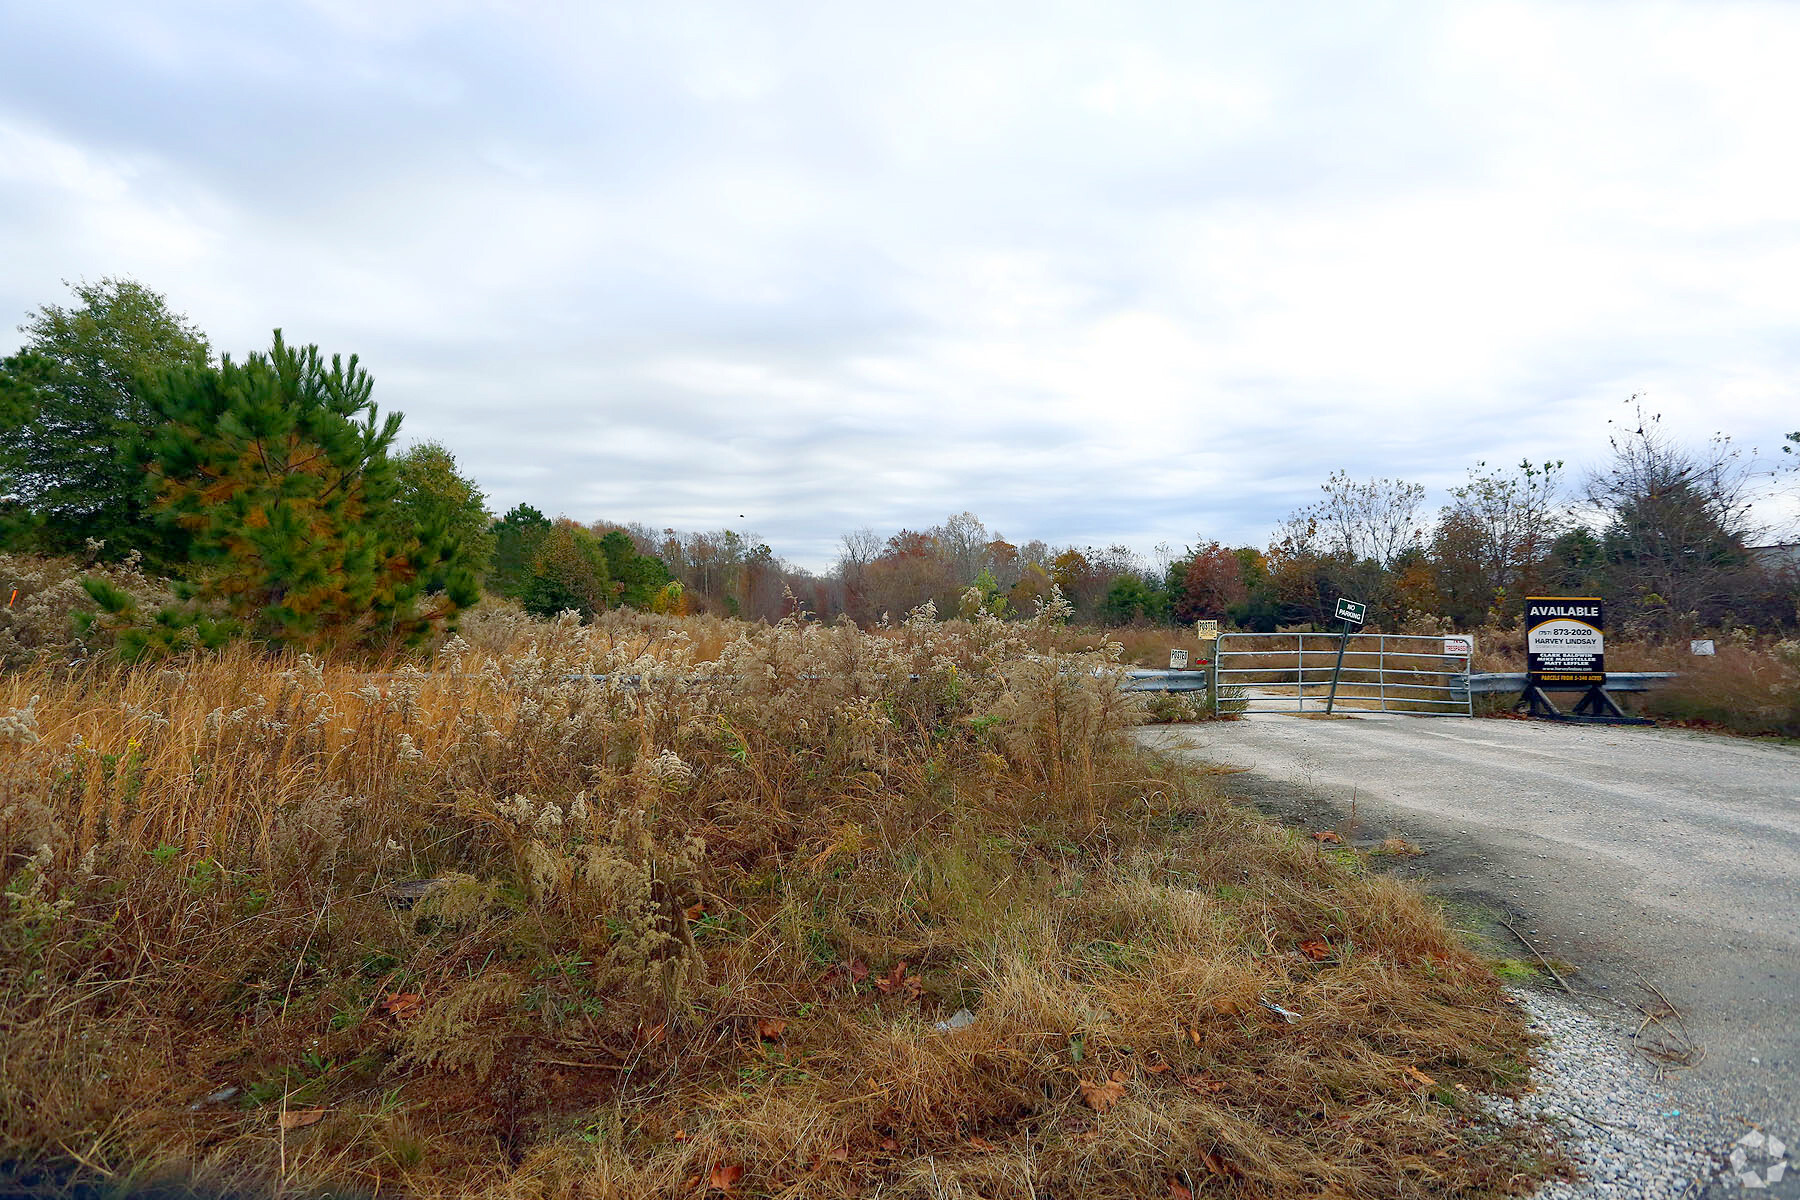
(1665, 532)
(272, 490)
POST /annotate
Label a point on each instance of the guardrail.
(1481, 682)
(1140, 679)
(1616, 681)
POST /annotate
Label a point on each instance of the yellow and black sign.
(1565, 642)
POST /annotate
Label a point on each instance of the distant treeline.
(1663, 531)
(271, 491)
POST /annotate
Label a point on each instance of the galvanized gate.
(1383, 672)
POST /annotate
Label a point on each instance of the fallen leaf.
(1179, 1191)
(1158, 1068)
(402, 1004)
(981, 1143)
(680, 1135)
(1103, 1095)
(300, 1118)
(724, 1178)
(889, 1144)
(1418, 1077)
(1225, 1006)
(895, 978)
(853, 972)
(1328, 836)
(836, 1154)
(694, 912)
(769, 1028)
(1316, 950)
(1193, 1034)
(1217, 1165)
(652, 1035)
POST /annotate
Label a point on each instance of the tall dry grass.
(40, 599)
(484, 926)
(1745, 688)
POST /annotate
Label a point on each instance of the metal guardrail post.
(1218, 655)
(1381, 667)
(1300, 671)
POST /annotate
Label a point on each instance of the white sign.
(1701, 647)
(1206, 630)
(1564, 638)
(1459, 645)
(1178, 660)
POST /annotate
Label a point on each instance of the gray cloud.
(1135, 274)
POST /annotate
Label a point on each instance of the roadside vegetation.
(1745, 688)
(824, 912)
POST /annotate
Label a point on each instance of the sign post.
(1351, 613)
(1565, 650)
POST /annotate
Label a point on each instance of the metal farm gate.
(1383, 672)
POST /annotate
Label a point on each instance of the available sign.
(1564, 642)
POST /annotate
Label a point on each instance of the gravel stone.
(1620, 1124)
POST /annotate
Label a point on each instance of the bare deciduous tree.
(1508, 521)
(1674, 522)
(1376, 520)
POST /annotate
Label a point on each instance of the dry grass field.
(790, 911)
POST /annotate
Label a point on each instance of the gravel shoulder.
(1623, 1127)
(1630, 857)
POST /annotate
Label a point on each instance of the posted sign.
(1564, 642)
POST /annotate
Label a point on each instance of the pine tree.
(277, 469)
(637, 578)
(517, 536)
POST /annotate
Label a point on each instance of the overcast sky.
(1098, 273)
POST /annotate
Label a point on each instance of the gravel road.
(1633, 855)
